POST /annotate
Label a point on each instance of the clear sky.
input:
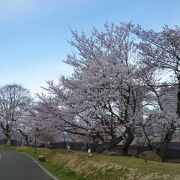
(34, 33)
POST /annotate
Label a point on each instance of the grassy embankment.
(77, 165)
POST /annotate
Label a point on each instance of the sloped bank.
(78, 165)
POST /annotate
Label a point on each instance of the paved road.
(17, 166)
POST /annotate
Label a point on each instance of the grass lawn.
(76, 165)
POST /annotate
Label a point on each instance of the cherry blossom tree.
(45, 116)
(160, 50)
(158, 120)
(102, 94)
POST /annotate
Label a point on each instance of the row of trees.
(115, 87)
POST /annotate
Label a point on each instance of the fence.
(173, 151)
(13, 142)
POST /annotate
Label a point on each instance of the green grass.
(77, 165)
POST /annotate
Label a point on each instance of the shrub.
(150, 155)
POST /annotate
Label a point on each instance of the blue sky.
(34, 33)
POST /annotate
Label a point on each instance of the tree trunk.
(7, 132)
(108, 146)
(128, 141)
(26, 137)
(27, 140)
(145, 133)
(8, 140)
(178, 98)
(164, 145)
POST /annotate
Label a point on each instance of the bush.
(150, 155)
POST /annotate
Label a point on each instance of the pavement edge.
(46, 171)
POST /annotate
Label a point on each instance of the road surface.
(17, 166)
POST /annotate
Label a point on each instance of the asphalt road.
(17, 166)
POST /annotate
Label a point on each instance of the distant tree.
(44, 115)
(14, 100)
